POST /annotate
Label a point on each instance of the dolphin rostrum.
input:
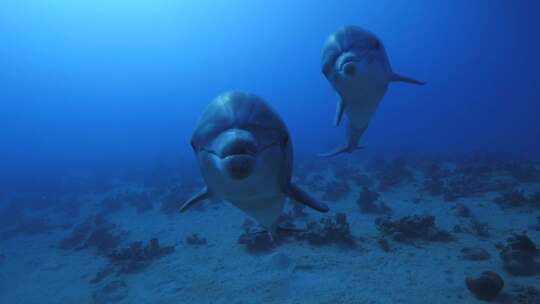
(355, 63)
(245, 156)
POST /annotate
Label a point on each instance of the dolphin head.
(239, 138)
(353, 54)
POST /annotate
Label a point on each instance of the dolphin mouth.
(239, 148)
(347, 60)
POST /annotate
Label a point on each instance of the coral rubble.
(412, 228)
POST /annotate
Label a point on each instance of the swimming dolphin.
(245, 156)
(355, 63)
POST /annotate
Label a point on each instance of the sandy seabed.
(35, 270)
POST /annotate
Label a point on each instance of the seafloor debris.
(512, 198)
(384, 244)
(136, 256)
(518, 255)
(523, 171)
(475, 254)
(256, 240)
(472, 177)
(132, 258)
(475, 227)
(78, 235)
(391, 174)
(478, 228)
(460, 186)
(96, 232)
(328, 230)
(433, 186)
(462, 210)
(486, 286)
(102, 237)
(196, 240)
(366, 202)
(526, 295)
(413, 228)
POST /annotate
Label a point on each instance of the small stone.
(475, 254)
(487, 286)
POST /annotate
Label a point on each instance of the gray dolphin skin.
(355, 63)
(245, 156)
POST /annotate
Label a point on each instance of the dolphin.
(245, 155)
(355, 63)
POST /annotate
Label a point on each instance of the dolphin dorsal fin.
(202, 195)
(401, 78)
(340, 107)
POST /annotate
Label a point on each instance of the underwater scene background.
(99, 100)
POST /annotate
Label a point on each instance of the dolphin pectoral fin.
(302, 197)
(401, 78)
(339, 112)
(202, 195)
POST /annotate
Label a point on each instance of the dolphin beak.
(239, 147)
(238, 154)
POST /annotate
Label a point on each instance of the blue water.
(98, 87)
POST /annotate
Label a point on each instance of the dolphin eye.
(376, 44)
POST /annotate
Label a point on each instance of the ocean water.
(99, 101)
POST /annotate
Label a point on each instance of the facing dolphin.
(245, 156)
(355, 63)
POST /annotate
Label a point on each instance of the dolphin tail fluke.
(302, 197)
(340, 150)
(401, 78)
(353, 137)
(202, 195)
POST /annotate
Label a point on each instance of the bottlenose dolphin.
(355, 63)
(245, 156)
